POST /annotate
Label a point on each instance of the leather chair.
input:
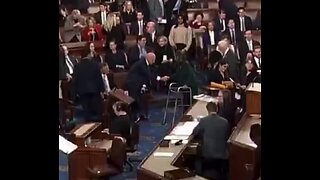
(115, 162)
(120, 79)
(134, 141)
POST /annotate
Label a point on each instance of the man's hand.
(69, 77)
(164, 78)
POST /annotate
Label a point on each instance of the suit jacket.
(249, 78)
(238, 33)
(135, 28)
(97, 17)
(213, 132)
(234, 70)
(70, 31)
(229, 7)
(111, 81)
(206, 38)
(247, 22)
(121, 125)
(87, 78)
(134, 53)
(138, 75)
(215, 76)
(62, 69)
(142, 5)
(73, 60)
(128, 17)
(155, 9)
(149, 42)
(244, 48)
(219, 26)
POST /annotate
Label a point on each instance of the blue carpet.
(151, 132)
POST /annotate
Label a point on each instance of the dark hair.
(227, 101)
(220, 63)
(241, 8)
(198, 13)
(121, 106)
(139, 11)
(140, 37)
(184, 18)
(212, 107)
(221, 11)
(231, 19)
(256, 47)
(215, 56)
(86, 50)
(104, 64)
(102, 3)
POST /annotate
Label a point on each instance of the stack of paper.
(84, 128)
(206, 98)
(186, 129)
(66, 146)
(163, 154)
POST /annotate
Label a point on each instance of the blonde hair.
(164, 38)
(125, 6)
(110, 22)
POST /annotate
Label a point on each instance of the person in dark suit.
(101, 15)
(212, 131)
(128, 14)
(243, 22)
(227, 107)
(234, 34)
(151, 34)
(219, 73)
(257, 56)
(116, 59)
(107, 78)
(121, 123)
(69, 62)
(135, 53)
(229, 7)
(164, 57)
(210, 38)
(138, 81)
(62, 64)
(62, 15)
(143, 6)
(138, 26)
(116, 33)
(255, 136)
(246, 45)
(221, 21)
(232, 60)
(257, 21)
(89, 87)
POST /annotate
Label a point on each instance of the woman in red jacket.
(93, 31)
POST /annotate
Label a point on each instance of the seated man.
(212, 131)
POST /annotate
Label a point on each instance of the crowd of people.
(169, 48)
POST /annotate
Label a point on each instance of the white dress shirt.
(258, 61)
(212, 38)
(223, 22)
(249, 43)
(242, 24)
(153, 36)
(140, 27)
(106, 83)
(69, 64)
(103, 17)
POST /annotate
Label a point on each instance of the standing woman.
(113, 31)
(226, 106)
(93, 31)
(180, 37)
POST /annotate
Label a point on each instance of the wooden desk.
(89, 153)
(242, 149)
(152, 167)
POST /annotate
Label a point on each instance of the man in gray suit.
(212, 131)
(73, 26)
(156, 10)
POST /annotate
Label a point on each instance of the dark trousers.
(92, 104)
(216, 169)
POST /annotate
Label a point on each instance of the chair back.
(120, 79)
(118, 154)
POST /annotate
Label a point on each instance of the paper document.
(186, 129)
(66, 146)
(163, 154)
(163, 21)
(206, 98)
(254, 87)
(84, 128)
(173, 137)
(173, 141)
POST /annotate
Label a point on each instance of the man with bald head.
(151, 34)
(140, 78)
(231, 58)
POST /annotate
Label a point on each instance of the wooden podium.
(243, 152)
(253, 98)
(93, 146)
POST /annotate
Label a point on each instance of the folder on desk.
(66, 146)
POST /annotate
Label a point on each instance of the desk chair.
(115, 162)
(175, 94)
(67, 109)
(134, 141)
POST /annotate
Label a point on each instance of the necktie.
(233, 36)
(140, 28)
(69, 64)
(243, 25)
(259, 62)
